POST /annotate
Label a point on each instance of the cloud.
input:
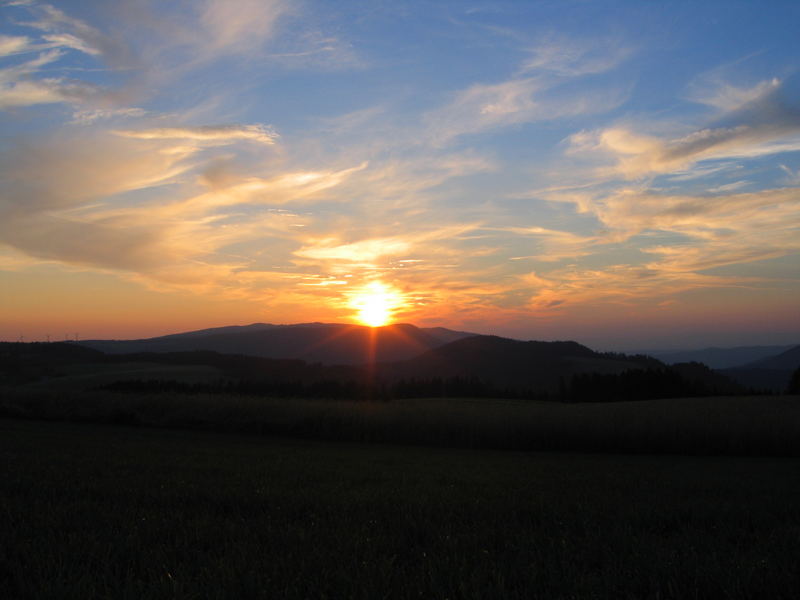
(364, 251)
(378, 192)
(70, 170)
(228, 188)
(632, 210)
(697, 172)
(569, 57)
(209, 133)
(553, 245)
(704, 233)
(792, 177)
(658, 243)
(728, 187)
(67, 40)
(484, 107)
(19, 89)
(13, 44)
(317, 49)
(147, 50)
(45, 91)
(620, 284)
(538, 92)
(727, 97)
(110, 244)
(89, 116)
(766, 124)
(69, 32)
(130, 205)
(239, 25)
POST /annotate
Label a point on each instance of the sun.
(375, 304)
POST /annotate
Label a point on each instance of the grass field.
(767, 425)
(81, 376)
(96, 511)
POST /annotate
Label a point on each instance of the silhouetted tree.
(794, 383)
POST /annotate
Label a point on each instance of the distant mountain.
(771, 373)
(325, 360)
(718, 358)
(217, 331)
(326, 343)
(513, 363)
(788, 360)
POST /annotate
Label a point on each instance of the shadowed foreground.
(92, 511)
(756, 425)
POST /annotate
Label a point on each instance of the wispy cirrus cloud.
(762, 123)
(205, 133)
(727, 97)
(65, 31)
(537, 97)
(712, 232)
(238, 26)
(625, 285)
(572, 57)
(20, 88)
(537, 92)
(14, 44)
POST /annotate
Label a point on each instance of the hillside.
(516, 364)
(312, 360)
(787, 361)
(719, 358)
(326, 343)
(771, 373)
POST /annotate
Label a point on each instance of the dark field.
(96, 511)
(744, 425)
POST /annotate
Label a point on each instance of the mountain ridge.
(482, 365)
(326, 343)
(720, 357)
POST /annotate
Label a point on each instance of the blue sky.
(624, 174)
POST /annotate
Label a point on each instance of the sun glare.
(375, 304)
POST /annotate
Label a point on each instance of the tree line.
(634, 384)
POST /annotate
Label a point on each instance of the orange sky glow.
(534, 170)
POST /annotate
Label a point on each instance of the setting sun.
(375, 304)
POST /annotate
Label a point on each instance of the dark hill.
(788, 360)
(719, 358)
(478, 366)
(21, 363)
(771, 373)
(325, 343)
(217, 331)
(64, 352)
(512, 363)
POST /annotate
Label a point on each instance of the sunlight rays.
(375, 304)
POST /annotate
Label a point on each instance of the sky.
(624, 174)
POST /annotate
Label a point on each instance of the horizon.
(630, 350)
(623, 175)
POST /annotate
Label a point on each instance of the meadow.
(754, 425)
(97, 511)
